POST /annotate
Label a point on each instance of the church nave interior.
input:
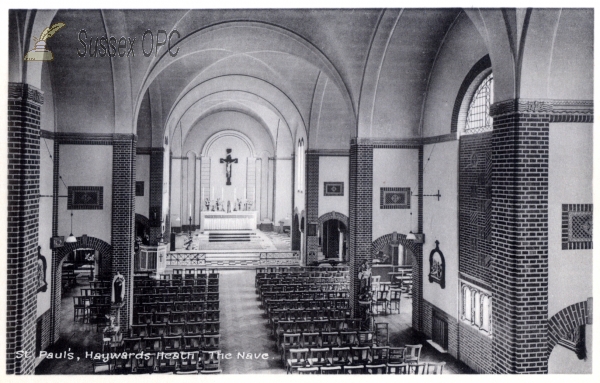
(397, 191)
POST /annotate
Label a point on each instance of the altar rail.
(194, 258)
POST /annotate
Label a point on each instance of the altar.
(236, 220)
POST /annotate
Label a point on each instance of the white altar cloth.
(236, 220)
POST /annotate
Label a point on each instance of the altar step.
(232, 237)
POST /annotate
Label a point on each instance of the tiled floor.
(244, 334)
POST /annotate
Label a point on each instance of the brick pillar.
(156, 195)
(123, 217)
(56, 274)
(312, 204)
(361, 213)
(24, 104)
(520, 240)
(417, 289)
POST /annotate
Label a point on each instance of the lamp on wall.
(410, 236)
(71, 238)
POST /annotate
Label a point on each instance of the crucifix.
(228, 161)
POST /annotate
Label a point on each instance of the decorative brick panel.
(44, 329)
(361, 214)
(475, 205)
(312, 204)
(156, 195)
(123, 218)
(520, 242)
(577, 222)
(24, 104)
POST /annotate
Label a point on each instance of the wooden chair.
(167, 362)
(157, 329)
(189, 361)
(340, 356)
(397, 369)
(308, 370)
(132, 345)
(145, 365)
(194, 328)
(192, 342)
(298, 358)
(172, 344)
(351, 370)
(380, 300)
(376, 369)
(212, 328)
(395, 359)
(380, 355)
(331, 370)
(348, 339)
(416, 368)
(211, 342)
(176, 329)
(382, 336)
(319, 357)
(329, 339)
(310, 339)
(211, 364)
(413, 353)
(435, 368)
(289, 341)
(395, 298)
(152, 344)
(360, 355)
(365, 338)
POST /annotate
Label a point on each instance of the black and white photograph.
(342, 190)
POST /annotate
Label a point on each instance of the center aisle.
(244, 331)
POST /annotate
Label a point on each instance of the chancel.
(300, 191)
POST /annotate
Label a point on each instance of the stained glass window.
(478, 114)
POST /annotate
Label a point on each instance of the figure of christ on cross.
(228, 161)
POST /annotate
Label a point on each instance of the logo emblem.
(40, 53)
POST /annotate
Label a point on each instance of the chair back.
(210, 360)
(435, 368)
(380, 354)
(365, 338)
(382, 336)
(299, 355)
(308, 370)
(396, 355)
(413, 352)
(378, 369)
(416, 368)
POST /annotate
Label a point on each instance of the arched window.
(478, 114)
(476, 307)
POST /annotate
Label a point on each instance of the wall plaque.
(334, 189)
(437, 266)
(85, 198)
(394, 198)
(577, 225)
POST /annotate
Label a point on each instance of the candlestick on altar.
(190, 225)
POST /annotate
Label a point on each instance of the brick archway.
(565, 321)
(333, 215)
(380, 243)
(417, 271)
(105, 251)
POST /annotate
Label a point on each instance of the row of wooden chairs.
(177, 282)
(287, 303)
(176, 329)
(299, 269)
(300, 281)
(176, 289)
(377, 369)
(391, 357)
(184, 296)
(312, 320)
(182, 362)
(157, 317)
(168, 343)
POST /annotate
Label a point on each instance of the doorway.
(333, 239)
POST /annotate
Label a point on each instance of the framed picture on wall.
(334, 189)
(394, 198)
(57, 242)
(85, 198)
